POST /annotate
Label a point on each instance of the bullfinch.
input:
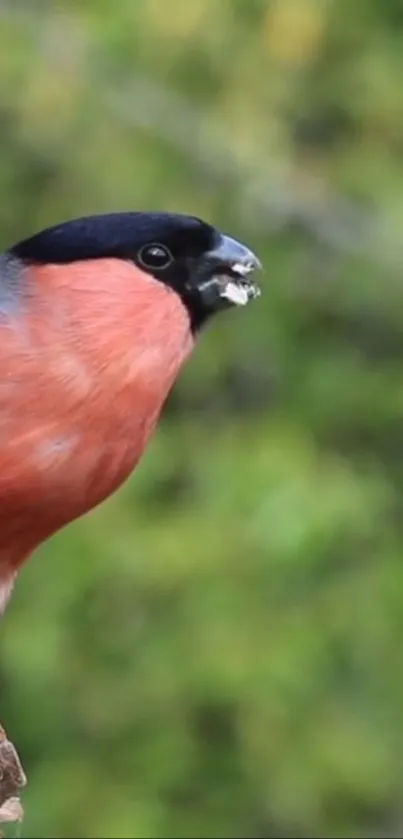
(97, 317)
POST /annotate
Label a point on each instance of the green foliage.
(217, 650)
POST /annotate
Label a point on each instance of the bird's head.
(209, 270)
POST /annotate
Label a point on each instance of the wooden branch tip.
(12, 780)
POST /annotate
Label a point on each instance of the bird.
(98, 315)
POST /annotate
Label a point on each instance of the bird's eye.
(155, 256)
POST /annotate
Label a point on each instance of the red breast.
(84, 374)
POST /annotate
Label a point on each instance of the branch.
(12, 779)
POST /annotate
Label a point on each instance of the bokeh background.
(218, 650)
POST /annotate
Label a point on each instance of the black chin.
(198, 288)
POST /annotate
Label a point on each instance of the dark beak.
(230, 268)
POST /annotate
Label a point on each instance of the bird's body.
(73, 420)
(90, 345)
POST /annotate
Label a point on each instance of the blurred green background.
(218, 650)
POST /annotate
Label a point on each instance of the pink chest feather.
(83, 378)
